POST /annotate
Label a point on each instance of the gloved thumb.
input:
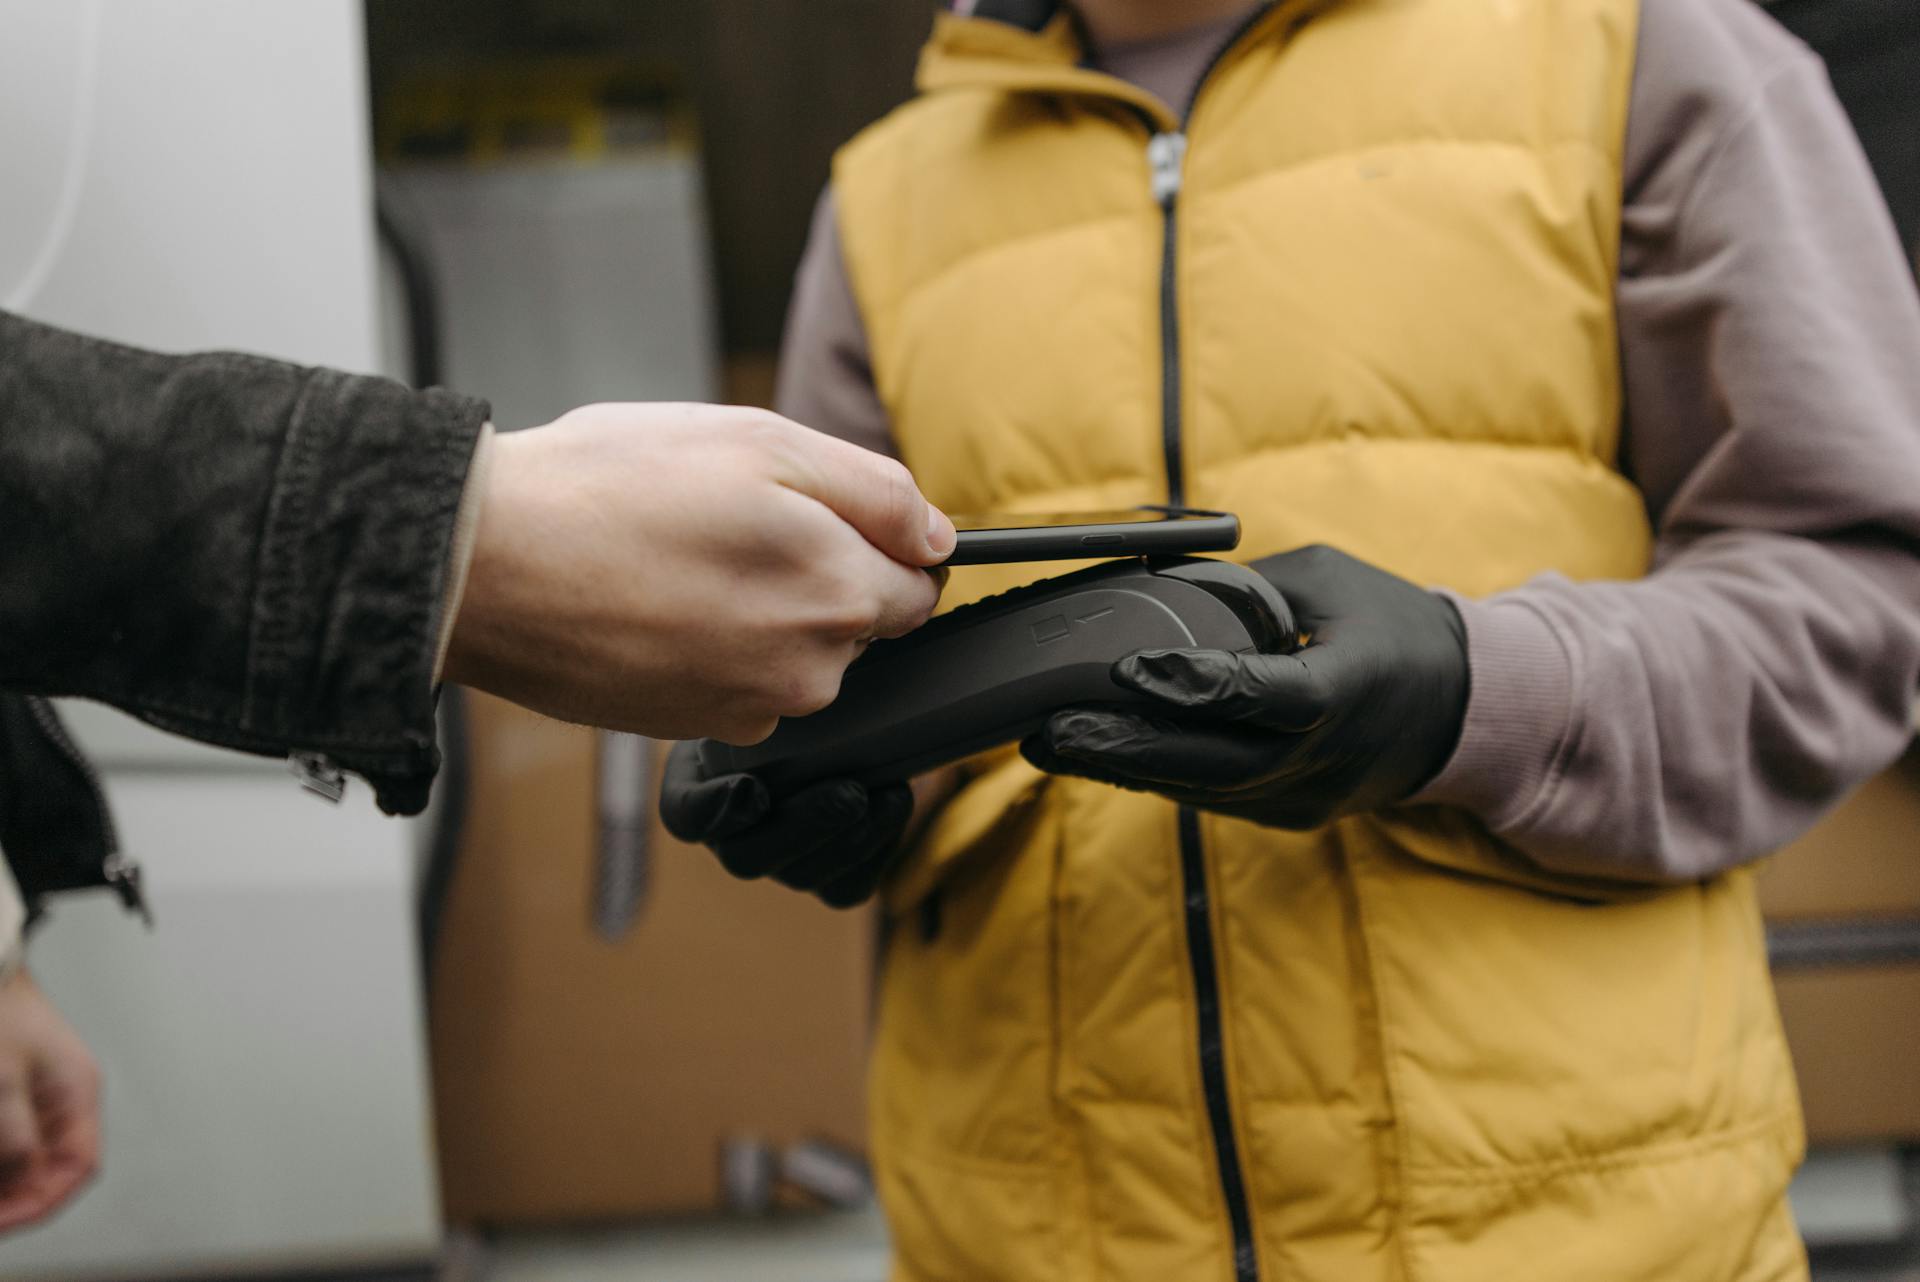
(1287, 693)
(697, 807)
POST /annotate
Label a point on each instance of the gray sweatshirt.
(1676, 726)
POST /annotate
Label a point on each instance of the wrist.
(1456, 691)
(472, 640)
(1518, 713)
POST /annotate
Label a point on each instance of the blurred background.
(531, 1037)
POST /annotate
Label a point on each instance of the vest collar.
(1035, 46)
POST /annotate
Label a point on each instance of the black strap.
(1887, 941)
(1030, 15)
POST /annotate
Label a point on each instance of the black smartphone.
(1072, 536)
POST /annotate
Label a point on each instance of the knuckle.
(905, 509)
(759, 435)
(737, 863)
(901, 489)
(916, 607)
(850, 610)
(811, 690)
(773, 430)
(1320, 698)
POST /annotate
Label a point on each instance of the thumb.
(1288, 693)
(874, 494)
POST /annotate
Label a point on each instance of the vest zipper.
(1213, 1052)
(1166, 158)
(1166, 155)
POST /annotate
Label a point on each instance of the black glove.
(835, 839)
(1361, 718)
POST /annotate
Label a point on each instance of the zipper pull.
(1167, 156)
(318, 775)
(124, 877)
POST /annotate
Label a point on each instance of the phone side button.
(1101, 540)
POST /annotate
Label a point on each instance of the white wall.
(224, 190)
(186, 174)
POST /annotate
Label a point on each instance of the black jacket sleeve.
(240, 550)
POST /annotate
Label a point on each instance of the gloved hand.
(835, 839)
(1359, 719)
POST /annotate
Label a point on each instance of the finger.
(20, 1199)
(857, 886)
(907, 600)
(66, 1094)
(698, 808)
(796, 827)
(873, 837)
(1314, 580)
(70, 1160)
(1288, 693)
(1156, 751)
(1034, 748)
(874, 494)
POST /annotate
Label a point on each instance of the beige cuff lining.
(466, 531)
(13, 923)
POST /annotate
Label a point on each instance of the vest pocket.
(966, 1144)
(1557, 1064)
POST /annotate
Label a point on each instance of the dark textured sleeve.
(1671, 728)
(239, 550)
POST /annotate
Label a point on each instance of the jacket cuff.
(1519, 714)
(355, 569)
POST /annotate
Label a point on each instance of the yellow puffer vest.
(1117, 1042)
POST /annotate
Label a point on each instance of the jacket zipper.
(1166, 157)
(118, 872)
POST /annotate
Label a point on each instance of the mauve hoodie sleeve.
(1671, 728)
(826, 375)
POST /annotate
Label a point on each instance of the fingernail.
(940, 533)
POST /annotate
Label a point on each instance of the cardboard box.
(1863, 860)
(1855, 1033)
(1854, 1028)
(577, 1079)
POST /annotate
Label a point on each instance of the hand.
(836, 838)
(49, 1108)
(1359, 719)
(687, 570)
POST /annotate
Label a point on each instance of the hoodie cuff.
(1519, 714)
